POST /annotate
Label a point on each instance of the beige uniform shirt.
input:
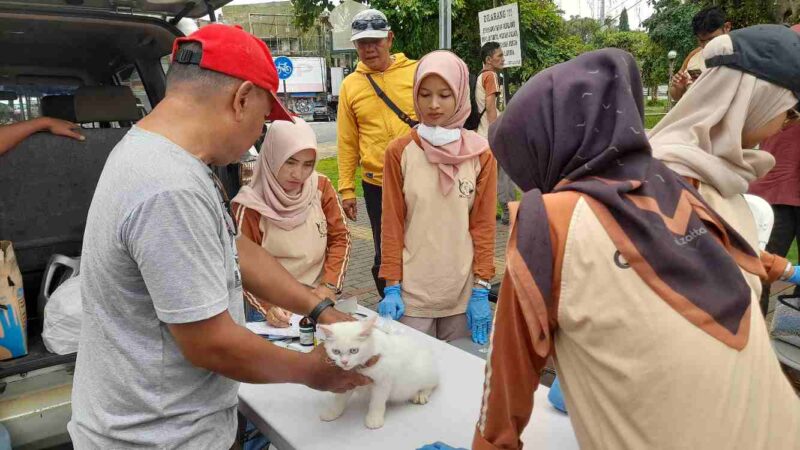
(634, 372)
(432, 242)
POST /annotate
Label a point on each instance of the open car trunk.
(165, 8)
(52, 49)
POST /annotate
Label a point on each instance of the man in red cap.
(162, 347)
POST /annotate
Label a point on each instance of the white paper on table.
(265, 329)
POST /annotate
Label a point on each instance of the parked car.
(92, 62)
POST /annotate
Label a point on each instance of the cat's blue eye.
(337, 352)
(353, 351)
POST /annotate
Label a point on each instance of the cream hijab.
(701, 137)
(264, 194)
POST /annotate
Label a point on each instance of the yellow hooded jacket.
(366, 125)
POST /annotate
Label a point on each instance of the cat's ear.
(327, 330)
(367, 326)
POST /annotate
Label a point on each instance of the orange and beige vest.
(647, 378)
(301, 250)
(438, 249)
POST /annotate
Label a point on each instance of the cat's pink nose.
(344, 362)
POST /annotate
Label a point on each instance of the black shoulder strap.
(398, 112)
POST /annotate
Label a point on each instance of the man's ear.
(242, 99)
(390, 38)
(727, 27)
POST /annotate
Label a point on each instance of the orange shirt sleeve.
(490, 83)
(248, 222)
(774, 265)
(482, 223)
(522, 337)
(337, 254)
(393, 218)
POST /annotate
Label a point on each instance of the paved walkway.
(359, 282)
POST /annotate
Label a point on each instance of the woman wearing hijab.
(439, 204)
(619, 268)
(294, 214)
(743, 98)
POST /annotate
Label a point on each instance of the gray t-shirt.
(158, 249)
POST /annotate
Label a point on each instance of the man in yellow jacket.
(367, 123)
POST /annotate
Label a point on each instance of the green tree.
(743, 13)
(583, 27)
(544, 39)
(623, 20)
(670, 26)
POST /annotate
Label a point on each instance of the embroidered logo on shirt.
(466, 188)
(322, 228)
(620, 261)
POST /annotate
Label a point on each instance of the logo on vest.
(466, 188)
(620, 261)
(322, 228)
(692, 235)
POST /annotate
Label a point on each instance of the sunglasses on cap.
(373, 24)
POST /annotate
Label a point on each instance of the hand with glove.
(438, 446)
(392, 303)
(479, 315)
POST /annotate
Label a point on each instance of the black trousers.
(785, 230)
(373, 197)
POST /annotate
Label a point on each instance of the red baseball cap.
(231, 50)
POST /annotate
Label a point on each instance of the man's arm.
(492, 88)
(219, 345)
(264, 277)
(348, 152)
(12, 135)
(681, 80)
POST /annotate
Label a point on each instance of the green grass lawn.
(329, 167)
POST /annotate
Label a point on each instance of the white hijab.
(701, 137)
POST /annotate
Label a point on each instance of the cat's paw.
(420, 398)
(331, 414)
(374, 421)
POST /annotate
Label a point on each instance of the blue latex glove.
(439, 446)
(795, 278)
(392, 304)
(556, 397)
(479, 315)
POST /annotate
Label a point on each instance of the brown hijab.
(578, 126)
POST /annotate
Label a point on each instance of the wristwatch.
(321, 306)
(483, 283)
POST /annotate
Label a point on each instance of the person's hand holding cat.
(324, 375)
(392, 304)
(479, 315)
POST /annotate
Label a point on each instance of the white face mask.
(438, 136)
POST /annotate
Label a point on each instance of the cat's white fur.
(405, 369)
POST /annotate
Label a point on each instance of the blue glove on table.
(392, 303)
(795, 278)
(439, 446)
(479, 315)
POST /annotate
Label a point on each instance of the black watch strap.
(322, 306)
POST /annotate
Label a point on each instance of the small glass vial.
(307, 330)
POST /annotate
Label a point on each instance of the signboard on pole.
(307, 75)
(501, 25)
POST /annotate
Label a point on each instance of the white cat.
(405, 369)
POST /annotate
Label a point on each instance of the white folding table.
(288, 414)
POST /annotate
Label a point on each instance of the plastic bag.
(63, 315)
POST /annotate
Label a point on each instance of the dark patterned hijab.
(578, 127)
